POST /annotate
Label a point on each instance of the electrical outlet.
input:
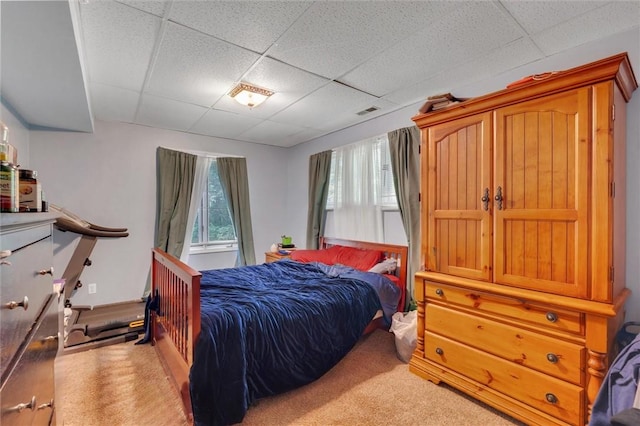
(93, 287)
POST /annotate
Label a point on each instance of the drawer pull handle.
(31, 405)
(552, 317)
(13, 304)
(439, 351)
(5, 253)
(439, 292)
(5, 262)
(551, 398)
(47, 405)
(46, 271)
(552, 358)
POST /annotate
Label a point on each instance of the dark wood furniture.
(29, 319)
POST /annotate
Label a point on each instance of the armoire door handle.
(499, 197)
(485, 199)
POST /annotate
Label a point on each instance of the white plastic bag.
(405, 327)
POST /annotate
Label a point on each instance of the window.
(361, 188)
(213, 227)
(382, 173)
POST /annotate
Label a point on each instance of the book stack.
(437, 102)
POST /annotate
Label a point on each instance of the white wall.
(108, 178)
(625, 42)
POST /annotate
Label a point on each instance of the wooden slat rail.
(177, 327)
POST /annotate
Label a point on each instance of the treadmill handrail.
(104, 228)
(65, 224)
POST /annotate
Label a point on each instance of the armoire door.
(459, 178)
(541, 193)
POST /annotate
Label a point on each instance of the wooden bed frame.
(174, 333)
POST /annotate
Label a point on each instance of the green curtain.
(404, 146)
(319, 173)
(235, 184)
(175, 173)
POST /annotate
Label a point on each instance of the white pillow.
(387, 266)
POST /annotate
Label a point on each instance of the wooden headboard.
(400, 253)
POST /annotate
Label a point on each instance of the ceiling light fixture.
(249, 95)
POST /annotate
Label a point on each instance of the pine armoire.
(522, 287)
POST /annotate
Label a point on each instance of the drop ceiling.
(171, 64)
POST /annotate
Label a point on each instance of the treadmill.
(87, 327)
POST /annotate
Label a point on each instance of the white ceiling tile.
(113, 103)
(331, 106)
(118, 43)
(168, 114)
(333, 37)
(254, 25)
(155, 7)
(535, 16)
(590, 26)
(284, 79)
(480, 28)
(185, 56)
(224, 124)
(196, 68)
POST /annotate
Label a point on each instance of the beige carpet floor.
(116, 385)
(124, 384)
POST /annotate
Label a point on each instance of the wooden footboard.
(176, 327)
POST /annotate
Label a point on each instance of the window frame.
(203, 228)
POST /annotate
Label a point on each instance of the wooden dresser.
(523, 242)
(29, 315)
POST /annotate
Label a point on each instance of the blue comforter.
(270, 328)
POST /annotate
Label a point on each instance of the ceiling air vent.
(368, 110)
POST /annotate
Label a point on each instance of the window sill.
(213, 249)
(383, 208)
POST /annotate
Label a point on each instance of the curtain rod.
(203, 153)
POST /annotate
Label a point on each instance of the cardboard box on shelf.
(29, 192)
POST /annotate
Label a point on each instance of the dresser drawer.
(20, 280)
(550, 395)
(546, 354)
(18, 238)
(521, 310)
(32, 378)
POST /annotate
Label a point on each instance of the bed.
(244, 340)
